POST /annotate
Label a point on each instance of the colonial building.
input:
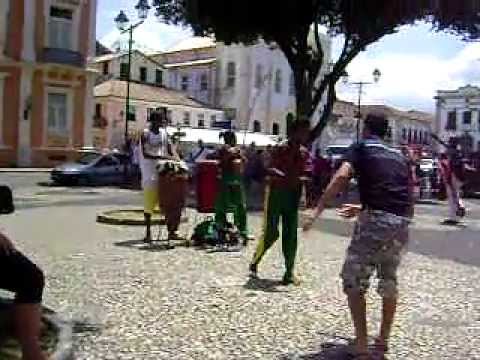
(143, 68)
(109, 125)
(458, 117)
(405, 127)
(46, 91)
(254, 84)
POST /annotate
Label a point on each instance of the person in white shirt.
(155, 148)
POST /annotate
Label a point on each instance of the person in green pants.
(231, 196)
(290, 164)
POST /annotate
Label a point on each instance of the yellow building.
(46, 91)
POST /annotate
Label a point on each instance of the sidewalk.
(146, 303)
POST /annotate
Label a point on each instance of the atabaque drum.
(172, 191)
(172, 185)
(207, 185)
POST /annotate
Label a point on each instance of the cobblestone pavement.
(130, 302)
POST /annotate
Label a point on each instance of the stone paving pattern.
(132, 302)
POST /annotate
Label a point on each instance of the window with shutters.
(60, 28)
(201, 120)
(278, 81)
(132, 113)
(143, 74)
(275, 129)
(57, 122)
(258, 76)
(203, 82)
(185, 82)
(213, 120)
(105, 68)
(451, 121)
(231, 75)
(291, 85)
(186, 118)
(123, 71)
(159, 77)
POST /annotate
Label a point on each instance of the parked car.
(93, 168)
(336, 154)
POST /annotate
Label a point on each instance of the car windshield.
(88, 158)
(337, 150)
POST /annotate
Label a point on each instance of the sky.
(415, 62)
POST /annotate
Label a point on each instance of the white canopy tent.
(212, 136)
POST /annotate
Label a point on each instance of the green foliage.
(289, 24)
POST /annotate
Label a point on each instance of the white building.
(405, 127)
(254, 84)
(458, 117)
(143, 68)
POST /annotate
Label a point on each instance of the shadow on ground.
(265, 285)
(339, 349)
(154, 246)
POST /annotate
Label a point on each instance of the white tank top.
(156, 144)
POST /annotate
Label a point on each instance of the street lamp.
(360, 84)
(122, 23)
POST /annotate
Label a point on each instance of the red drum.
(207, 185)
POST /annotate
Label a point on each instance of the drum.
(172, 191)
(207, 185)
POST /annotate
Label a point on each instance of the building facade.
(46, 91)
(458, 117)
(254, 84)
(144, 69)
(109, 125)
(405, 127)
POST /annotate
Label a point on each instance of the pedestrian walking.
(452, 173)
(381, 231)
(290, 162)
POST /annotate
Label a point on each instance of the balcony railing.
(63, 56)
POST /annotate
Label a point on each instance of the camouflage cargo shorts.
(378, 243)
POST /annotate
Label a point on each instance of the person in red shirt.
(289, 164)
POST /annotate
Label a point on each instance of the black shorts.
(19, 275)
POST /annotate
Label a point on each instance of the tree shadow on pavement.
(265, 285)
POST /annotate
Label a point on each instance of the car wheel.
(83, 180)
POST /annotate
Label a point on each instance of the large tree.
(290, 23)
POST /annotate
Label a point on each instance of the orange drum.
(207, 185)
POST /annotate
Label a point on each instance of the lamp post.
(360, 85)
(122, 23)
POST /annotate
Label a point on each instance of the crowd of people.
(386, 179)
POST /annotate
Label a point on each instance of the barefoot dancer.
(381, 232)
(288, 166)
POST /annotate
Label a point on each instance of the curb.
(113, 217)
(24, 170)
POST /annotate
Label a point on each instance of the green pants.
(231, 198)
(282, 203)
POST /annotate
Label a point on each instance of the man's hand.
(6, 245)
(349, 211)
